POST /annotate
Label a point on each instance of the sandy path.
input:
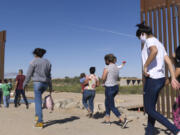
(19, 121)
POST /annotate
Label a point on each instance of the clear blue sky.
(76, 33)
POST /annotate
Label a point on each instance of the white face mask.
(143, 38)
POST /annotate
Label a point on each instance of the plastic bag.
(48, 103)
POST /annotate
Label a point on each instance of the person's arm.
(86, 81)
(104, 76)
(97, 82)
(16, 83)
(9, 87)
(174, 82)
(121, 66)
(177, 72)
(29, 75)
(151, 57)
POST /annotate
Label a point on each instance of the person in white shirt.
(154, 57)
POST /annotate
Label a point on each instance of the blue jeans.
(6, 100)
(88, 99)
(39, 88)
(110, 93)
(152, 88)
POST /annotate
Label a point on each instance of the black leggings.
(18, 94)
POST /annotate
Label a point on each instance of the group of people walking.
(154, 57)
(40, 72)
(6, 90)
(110, 79)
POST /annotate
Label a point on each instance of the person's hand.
(123, 63)
(175, 84)
(145, 72)
(167, 82)
(50, 91)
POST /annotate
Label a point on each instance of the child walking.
(6, 93)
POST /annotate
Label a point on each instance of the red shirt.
(82, 87)
(20, 80)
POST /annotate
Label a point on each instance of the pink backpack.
(48, 103)
(176, 113)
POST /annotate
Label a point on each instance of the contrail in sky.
(106, 30)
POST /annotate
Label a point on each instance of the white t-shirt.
(156, 69)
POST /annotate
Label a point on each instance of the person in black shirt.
(177, 63)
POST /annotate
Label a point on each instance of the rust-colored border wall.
(163, 16)
(2, 53)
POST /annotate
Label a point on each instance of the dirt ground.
(20, 121)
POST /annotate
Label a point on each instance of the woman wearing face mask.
(154, 57)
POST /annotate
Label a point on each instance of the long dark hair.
(39, 52)
(142, 28)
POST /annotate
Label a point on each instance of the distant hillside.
(10, 75)
(130, 78)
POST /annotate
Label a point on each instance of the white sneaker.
(125, 123)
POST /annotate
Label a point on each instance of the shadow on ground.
(159, 130)
(99, 115)
(53, 122)
(120, 124)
